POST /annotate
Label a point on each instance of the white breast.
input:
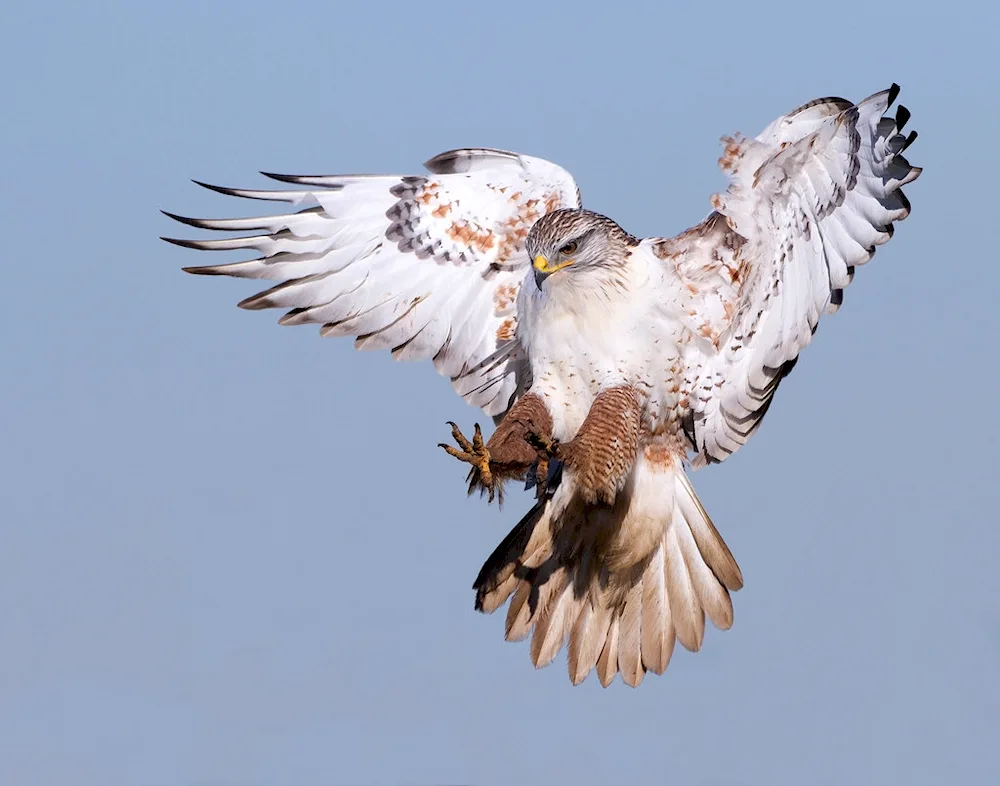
(584, 334)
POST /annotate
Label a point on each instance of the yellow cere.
(542, 264)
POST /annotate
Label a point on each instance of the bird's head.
(571, 241)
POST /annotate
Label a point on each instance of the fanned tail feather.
(575, 575)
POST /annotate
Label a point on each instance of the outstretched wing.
(809, 200)
(425, 266)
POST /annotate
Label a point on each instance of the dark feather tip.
(282, 178)
(182, 243)
(255, 303)
(191, 222)
(216, 189)
(902, 117)
(205, 270)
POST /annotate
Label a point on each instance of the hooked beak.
(543, 269)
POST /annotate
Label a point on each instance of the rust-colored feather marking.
(505, 332)
(603, 451)
(469, 233)
(508, 446)
(517, 227)
(505, 298)
(732, 155)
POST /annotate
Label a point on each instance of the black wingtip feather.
(282, 178)
(183, 243)
(207, 270)
(902, 117)
(191, 222)
(258, 302)
(216, 189)
(893, 93)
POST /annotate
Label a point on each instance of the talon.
(461, 455)
(475, 453)
(459, 437)
(544, 445)
(541, 477)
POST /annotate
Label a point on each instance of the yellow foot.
(475, 453)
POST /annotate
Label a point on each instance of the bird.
(610, 364)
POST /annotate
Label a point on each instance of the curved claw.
(459, 437)
(472, 452)
(546, 446)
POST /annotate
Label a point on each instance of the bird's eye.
(569, 248)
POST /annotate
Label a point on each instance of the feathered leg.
(603, 451)
(507, 455)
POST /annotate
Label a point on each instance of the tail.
(621, 584)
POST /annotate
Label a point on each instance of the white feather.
(427, 267)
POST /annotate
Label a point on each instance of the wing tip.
(291, 317)
(293, 179)
(203, 270)
(198, 223)
(178, 241)
(902, 117)
(257, 302)
(276, 176)
(913, 174)
(460, 160)
(216, 189)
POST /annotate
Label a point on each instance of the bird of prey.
(608, 362)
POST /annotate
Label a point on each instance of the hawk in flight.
(607, 362)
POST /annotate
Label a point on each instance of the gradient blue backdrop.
(231, 553)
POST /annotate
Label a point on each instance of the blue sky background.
(231, 554)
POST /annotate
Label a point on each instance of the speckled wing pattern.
(809, 200)
(426, 266)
